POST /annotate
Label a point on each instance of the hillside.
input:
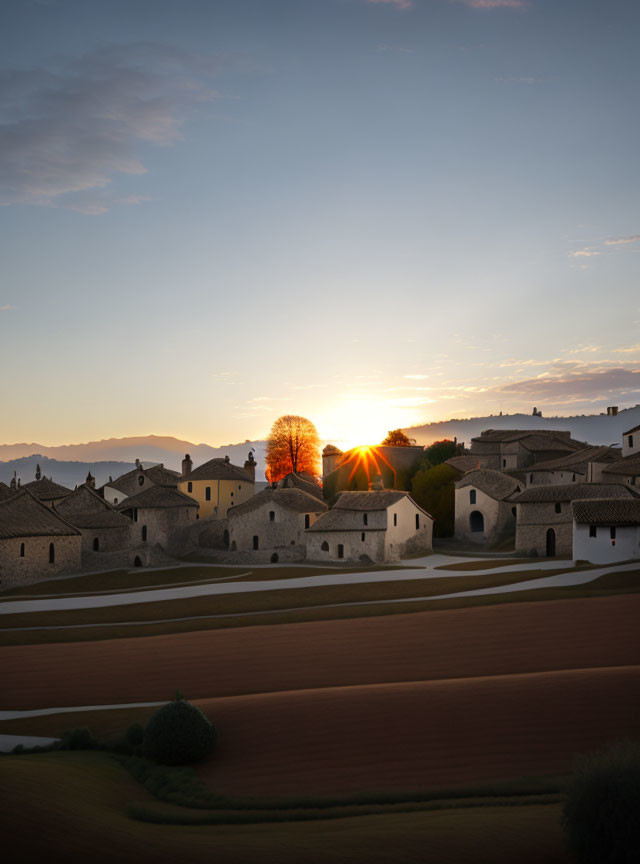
(69, 474)
(592, 428)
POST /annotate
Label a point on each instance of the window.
(504, 463)
(365, 519)
(135, 514)
(96, 544)
(137, 562)
(52, 554)
(472, 496)
(324, 546)
(207, 493)
(573, 478)
(395, 519)
(530, 478)
(115, 500)
(593, 531)
(22, 550)
(307, 520)
(225, 538)
(362, 536)
(272, 516)
(232, 494)
(274, 558)
(239, 488)
(189, 486)
(630, 440)
(417, 521)
(340, 550)
(144, 533)
(612, 532)
(141, 480)
(558, 507)
(256, 542)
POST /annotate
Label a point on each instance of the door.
(551, 543)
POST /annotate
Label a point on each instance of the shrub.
(135, 735)
(178, 734)
(78, 739)
(434, 490)
(602, 810)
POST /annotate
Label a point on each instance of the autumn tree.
(397, 438)
(292, 445)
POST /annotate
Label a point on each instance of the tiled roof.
(23, 515)
(47, 490)
(343, 520)
(157, 497)
(631, 431)
(493, 483)
(5, 491)
(301, 481)
(218, 469)
(607, 511)
(579, 457)
(158, 474)
(572, 492)
(629, 466)
(368, 501)
(86, 509)
(463, 463)
(292, 499)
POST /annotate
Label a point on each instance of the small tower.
(187, 465)
(331, 458)
(90, 481)
(14, 482)
(250, 465)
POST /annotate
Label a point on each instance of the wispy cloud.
(71, 128)
(632, 238)
(577, 384)
(399, 4)
(493, 4)
(7, 308)
(587, 252)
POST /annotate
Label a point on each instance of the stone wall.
(535, 519)
(34, 566)
(354, 546)
(109, 539)
(167, 526)
(285, 530)
(498, 517)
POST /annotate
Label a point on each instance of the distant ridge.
(591, 428)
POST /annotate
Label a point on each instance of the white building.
(606, 530)
(379, 526)
(631, 442)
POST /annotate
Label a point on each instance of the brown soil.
(417, 735)
(460, 643)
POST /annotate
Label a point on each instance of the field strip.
(44, 712)
(557, 581)
(11, 607)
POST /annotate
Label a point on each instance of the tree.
(433, 489)
(38, 472)
(397, 438)
(178, 734)
(440, 451)
(292, 445)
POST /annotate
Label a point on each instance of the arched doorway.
(225, 538)
(551, 543)
(137, 561)
(274, 558)
(476, 522)
(96, 544)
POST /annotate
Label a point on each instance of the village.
(540, 494)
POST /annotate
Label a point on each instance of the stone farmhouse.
(301, 481)
(582, 466)
(484, 512)
(103, 529)
(544, 520)
(160, 515)
(138, 480)
(508, 449)
(35, 542)
(606, 530)
(271, 526)
(378, 526)
(217, 485)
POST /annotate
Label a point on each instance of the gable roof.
(292, 499)
(301, 481)
(607, 511)
(346, 513)
(627, 466)
(493, 483)
(158, 474)
(156, 497)
(631, 431)
(46, 490)
(84, 508)
(463, 463)
(368, 501)
(579, 457)
(572, 492)
(5, 491)
(23, 515)
(218, 469)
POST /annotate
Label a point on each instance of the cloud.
(519, 80)
(587, 252)
(632, 238)
(399, 4)
(493, 4)
(591, 384)
(71, 128)
(7, 308)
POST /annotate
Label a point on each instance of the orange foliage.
(292, 445)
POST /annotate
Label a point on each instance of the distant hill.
(69, 474)
(592, 428)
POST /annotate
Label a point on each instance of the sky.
(373, 213)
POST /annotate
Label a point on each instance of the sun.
(361, 420)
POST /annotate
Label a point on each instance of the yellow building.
(217, 485)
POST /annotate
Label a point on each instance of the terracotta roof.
(463, 463)
(84, 508)
(631, 431)
(572, 492)
(292, 499)
(218, 469)
(493, 483)
(579, 457)
(627, 466)
(607, 511)
(156, 497)
(301, 481)
(47, 490)
(158, 474)
(23, 515)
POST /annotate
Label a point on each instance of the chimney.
(187, 465)
(90, 481)
(227, 459)
(250, 466)
(612, 410)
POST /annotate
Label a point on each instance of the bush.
(78, 739)
(434, 490)
(135, 736)
(178, 734)
(602, 810)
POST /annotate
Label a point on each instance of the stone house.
(138, 480)
(162, 515)
(378, 526)
(631, 442)
(483, 511)
(544, 521)
(626, 470)
(217, 485)
(302, 481)
(35, 542)
(47, 491)
(508, 449)
(272, 524)
(103, 529)
(583, 466)
(606, 530)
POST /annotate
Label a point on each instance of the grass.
(104, 725)
(83, 804)
(485, 565)
(610, 584)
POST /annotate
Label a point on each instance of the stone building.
(217, 485)
(162, 515)
(462, 464)
(272, 524)
(35, 542)
(583, 466)
(483, 511)
(363, 468)
(103, 529)
(377, 526)
(544, 521)
(631, 442)
(138, 480)
(302, 481)
(47, 491)
(626, 470)
(507, 449)
(606, 530)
